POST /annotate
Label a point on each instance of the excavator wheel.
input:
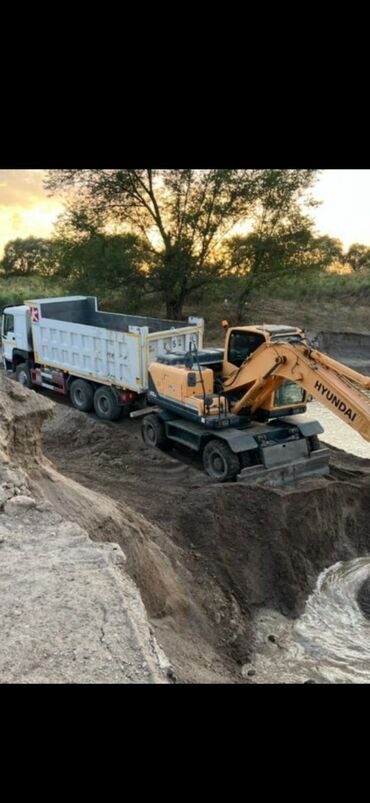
(153, 432)
(219, 461)
(314, 443)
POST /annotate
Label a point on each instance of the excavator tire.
(219, 461)
(314, 443)
(153, 432)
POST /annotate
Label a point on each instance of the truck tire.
(106, 405)
(219, 461)
(82, 395)
(153, 432)
(22, 375)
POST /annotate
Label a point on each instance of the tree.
(358, 256)
(99, 263)
(323, 250)
(30, 255)
(288, 247)
(183, 215)
(103, 265)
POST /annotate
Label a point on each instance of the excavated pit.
(206, 558)
(209, 556)
(363, 598)
(350, 348)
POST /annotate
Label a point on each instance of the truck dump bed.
(71, 334)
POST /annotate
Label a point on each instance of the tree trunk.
(174, 307)
(240, 309)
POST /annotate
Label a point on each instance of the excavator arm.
(324, 378)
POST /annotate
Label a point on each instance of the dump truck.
(239, 407)
(100, 359)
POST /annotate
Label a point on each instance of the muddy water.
(329, 643)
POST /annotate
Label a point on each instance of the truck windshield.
(242, 344)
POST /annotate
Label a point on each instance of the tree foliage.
(99, 263)
(358, 257)
(28, 256)
(289, 248)
(182, 216)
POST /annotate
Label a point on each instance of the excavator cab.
(285, 397)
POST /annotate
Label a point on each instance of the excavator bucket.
(298, 467)
(288, 450)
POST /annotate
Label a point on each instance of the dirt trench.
(207, 556)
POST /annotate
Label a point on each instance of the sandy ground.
(336, 433)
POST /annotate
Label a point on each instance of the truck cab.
(16, 336)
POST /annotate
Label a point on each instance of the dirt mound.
(71, 612)
(350, 348)
(232, 548)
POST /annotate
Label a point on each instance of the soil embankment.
(350, 348)
(70, 612)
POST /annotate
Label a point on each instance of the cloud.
(25, 208)
(21, 187)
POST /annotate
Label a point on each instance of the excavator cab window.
(242, 344)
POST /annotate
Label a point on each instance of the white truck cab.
(16, 333)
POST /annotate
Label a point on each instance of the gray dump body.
(71, 334)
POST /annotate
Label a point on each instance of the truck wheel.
(219, 461)
(82, 395)
(153, 432)
(106, 405)
(22, 374)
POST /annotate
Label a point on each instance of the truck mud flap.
(315, 465)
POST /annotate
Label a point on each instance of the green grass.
(17, 289)
(324, 285)
(316, 301)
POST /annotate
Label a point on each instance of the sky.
(26, 210)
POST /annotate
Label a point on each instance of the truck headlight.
(289, 393)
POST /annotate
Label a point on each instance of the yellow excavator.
(239, 407)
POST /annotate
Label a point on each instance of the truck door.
(8, 336)
(16, 333)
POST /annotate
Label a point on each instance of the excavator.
(239, 407)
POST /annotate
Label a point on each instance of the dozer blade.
(296, 467)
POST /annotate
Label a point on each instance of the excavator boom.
(324, 378)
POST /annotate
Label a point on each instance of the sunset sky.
(25, 208)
